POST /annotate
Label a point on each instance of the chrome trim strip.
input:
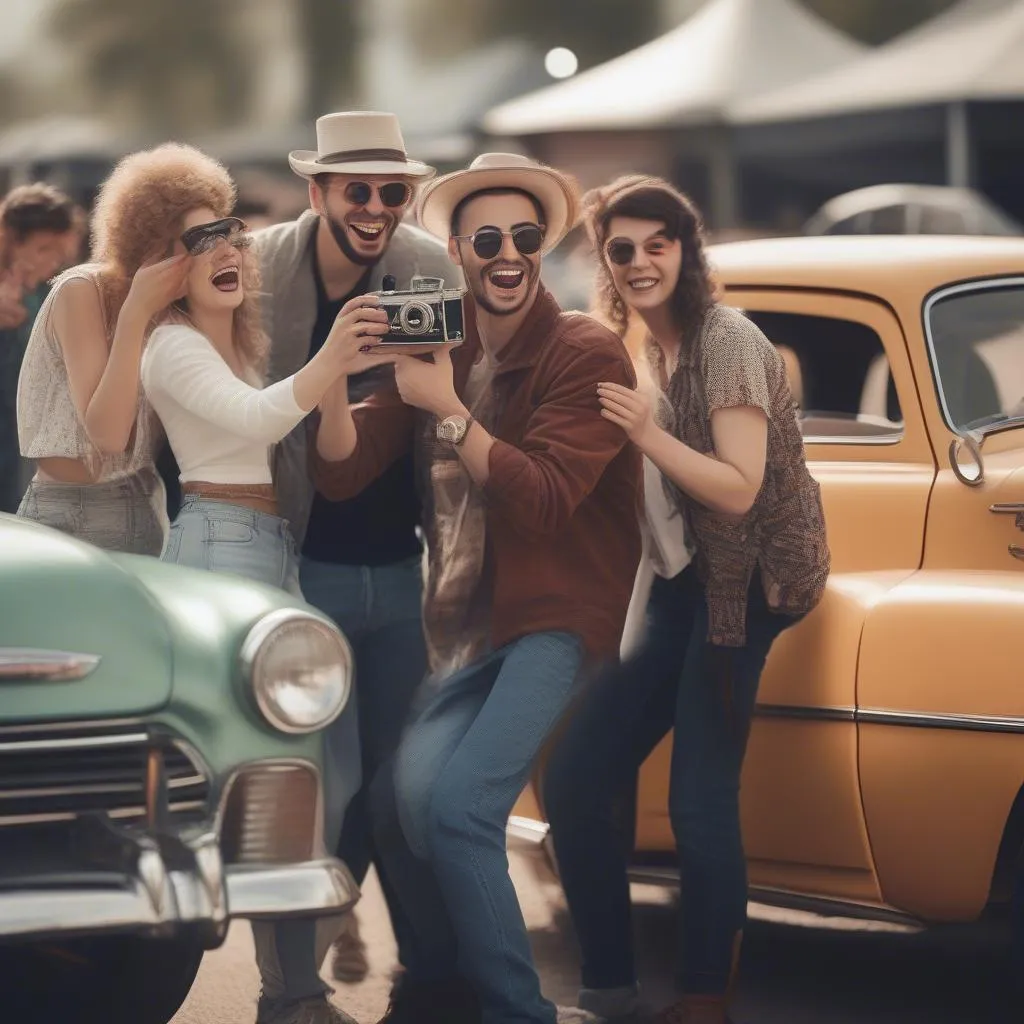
(869, 439)
(33, 664)
(78, 725)
(934, 720)
(117, 814)
(75, 743)
(88, 789)
(986, 285)
(808, 714)
(879, 716)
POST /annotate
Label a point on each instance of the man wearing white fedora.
(532, 502)
(361, 558)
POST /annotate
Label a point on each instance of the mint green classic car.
(160, 752)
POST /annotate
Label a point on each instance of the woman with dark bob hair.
(726, 481)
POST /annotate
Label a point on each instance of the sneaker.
(308, 1011)
(614, 1005)
(443, 1002)
(349, 962)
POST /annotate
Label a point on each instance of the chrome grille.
(56, 776)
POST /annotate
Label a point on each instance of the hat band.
(352, 156)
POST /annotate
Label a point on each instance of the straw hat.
(358, 142)
(556, 192)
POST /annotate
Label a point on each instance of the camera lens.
(416, 318)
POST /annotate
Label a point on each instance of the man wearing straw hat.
(531, 516)
(360, 558)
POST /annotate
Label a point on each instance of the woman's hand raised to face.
(158, 283)
(631, 410)
(357, 331)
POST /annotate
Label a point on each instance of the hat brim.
(306, 163)
(555, 192)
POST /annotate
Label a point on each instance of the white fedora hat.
(358, 142)
(556, 192)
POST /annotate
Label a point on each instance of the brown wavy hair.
(649, 198)
(138, 215)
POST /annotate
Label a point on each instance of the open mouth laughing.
(226, 278)
(369, 230)
(506, 278)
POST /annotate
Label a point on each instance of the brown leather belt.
(258, 497)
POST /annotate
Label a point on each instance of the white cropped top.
(220, 427)
(48, 423)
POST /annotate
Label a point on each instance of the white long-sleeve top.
(220, 427)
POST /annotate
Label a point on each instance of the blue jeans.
(440, 818)
(223, 537)
(674, 679)
(379, 608)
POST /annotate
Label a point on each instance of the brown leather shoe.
(442, 1002)
(349, 962)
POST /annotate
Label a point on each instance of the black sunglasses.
(204, 237)
(393, 194)
(487, 241)
(621, 251)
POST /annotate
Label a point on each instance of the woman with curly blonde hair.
(726, 484)
(202, 370)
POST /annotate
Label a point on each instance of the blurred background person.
(38, 225)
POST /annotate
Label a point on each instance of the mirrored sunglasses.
(393, 194)
(487, 241)
(204, 237)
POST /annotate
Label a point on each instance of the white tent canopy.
(973, 52)
(728, 51)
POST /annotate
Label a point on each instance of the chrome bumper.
(172, 882)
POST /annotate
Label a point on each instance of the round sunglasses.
(204, 237)
(487, 241)
(392, 194)
(621, 251)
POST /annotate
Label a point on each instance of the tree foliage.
(329, 36)
(170, 69)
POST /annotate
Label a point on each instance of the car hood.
(57, 594)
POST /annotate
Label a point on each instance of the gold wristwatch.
(453, 429)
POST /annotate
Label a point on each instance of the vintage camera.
(427, 314)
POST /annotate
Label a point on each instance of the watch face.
(451, 428)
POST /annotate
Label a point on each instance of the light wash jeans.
(440, 818)
(125, 514)
(223, 537)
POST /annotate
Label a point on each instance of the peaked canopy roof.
(727, 51)
(974, 51)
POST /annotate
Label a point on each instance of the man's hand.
(429, 385)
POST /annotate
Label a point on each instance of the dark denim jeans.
(379, 610)
(673, 680)
(441, 815)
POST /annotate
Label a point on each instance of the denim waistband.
(209, 508)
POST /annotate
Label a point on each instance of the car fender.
(940, 710)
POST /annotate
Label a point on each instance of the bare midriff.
(64, 471)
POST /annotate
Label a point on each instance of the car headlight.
(299, 668)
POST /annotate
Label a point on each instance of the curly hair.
(649, 198)
(138, 216)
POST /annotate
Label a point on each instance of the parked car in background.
(160, 772)
(911, 210)
(885, 772)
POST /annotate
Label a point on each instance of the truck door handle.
(1017, 551)
(1007, 508)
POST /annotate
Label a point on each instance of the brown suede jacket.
(564, 492)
